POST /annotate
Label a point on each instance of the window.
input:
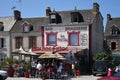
(113, 31)
(3, 43)
(53, 18)
(113, 45)
(26, 29)
(118, 31)
(19, 42)
(73, 38)
(27, 26)
(51, 39)
(32, 41)
(76, 17)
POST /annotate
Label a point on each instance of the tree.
(103, 55)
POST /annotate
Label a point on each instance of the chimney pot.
(48, 10)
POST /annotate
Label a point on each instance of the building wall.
(109, 41)
(26, 39)
(63, 31)
(97, 34)
(5, 50)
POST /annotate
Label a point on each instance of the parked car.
(3, 75)
(117, 69)
(100, 67)
(114, 77)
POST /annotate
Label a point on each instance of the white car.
(3, 75)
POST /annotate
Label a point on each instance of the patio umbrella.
(32, 53)
(62, 58)
(47, 55)
(59, 56)
(20, 51)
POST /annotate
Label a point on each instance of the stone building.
(79, 32)
(6, 23)
(75, 32)
(112, 34)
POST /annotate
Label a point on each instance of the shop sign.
(50, 49)
(62, 38)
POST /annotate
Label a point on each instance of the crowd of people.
(53, 70)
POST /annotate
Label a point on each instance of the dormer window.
(53, 18)
(27, 26)
(76, 17)
(26, 29)
(115, 30)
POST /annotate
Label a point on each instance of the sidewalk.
(83, 77)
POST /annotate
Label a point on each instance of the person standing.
(39, 67)
(73, 69)
(32, 64)
(33, 70)
(109, 72)
(77, 69)
(59, 70)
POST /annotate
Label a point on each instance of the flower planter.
(77, 73)
(26, 74)
(10, 73)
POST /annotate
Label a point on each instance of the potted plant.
(10, 71)
(11, 63)
(26, 67)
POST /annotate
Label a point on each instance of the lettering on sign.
(84, 39)
(49, 48)
(48, 28)
(71, 28)
(62, 38)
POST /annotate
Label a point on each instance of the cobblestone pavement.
(86, 77)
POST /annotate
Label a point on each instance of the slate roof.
(86, 14)
(8, 22)
(110, 23)
(37, 22)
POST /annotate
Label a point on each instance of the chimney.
(48, 10)
(95, 7)
(17, 15)
(108, 17)
(1, 22)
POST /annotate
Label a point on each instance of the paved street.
(88, 77)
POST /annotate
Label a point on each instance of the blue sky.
(36, 8)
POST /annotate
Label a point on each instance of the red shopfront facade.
(65, 39)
